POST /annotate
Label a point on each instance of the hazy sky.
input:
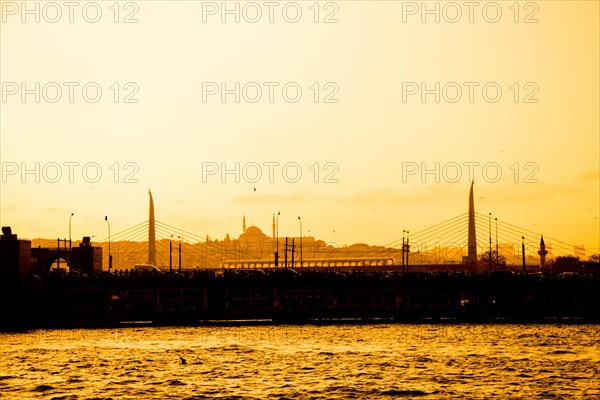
(359, 103)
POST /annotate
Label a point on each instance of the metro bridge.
(461, 242)
(441, 246)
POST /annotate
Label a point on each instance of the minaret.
(542, 252)
(151, 234)
(472, 238)
(244, 224)
(273, 226)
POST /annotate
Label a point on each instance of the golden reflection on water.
(335, 361)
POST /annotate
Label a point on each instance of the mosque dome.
(253, 233)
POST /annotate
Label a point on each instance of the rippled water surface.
(325, 362)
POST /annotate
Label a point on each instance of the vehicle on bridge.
(146, 268)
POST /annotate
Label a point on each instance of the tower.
(151, 234)
(472, 238)
(542, 252)
(244, 224)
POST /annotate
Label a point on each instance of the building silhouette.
(15, 257)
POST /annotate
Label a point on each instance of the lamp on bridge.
(300, 220)
(70, 247)
(497, 250)
(403, 248)
(277, 240)
(180, 240)
(171, 253)
(490, 232)
(523, 253)
(407, 249)
(109, 255)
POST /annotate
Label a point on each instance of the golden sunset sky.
(365, 133)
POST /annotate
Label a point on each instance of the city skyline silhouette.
(450, 242)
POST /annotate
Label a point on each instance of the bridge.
(443, 246)
(468, 241)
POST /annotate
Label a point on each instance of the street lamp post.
(70, 232)
(497, 252)
(300, 220)
(277, 240)
(403, 248)
(523, 253)
(490, 232)
(171, 253)
(180, 240)
(109, 256)
(407, 249)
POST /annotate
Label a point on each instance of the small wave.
(233, 347)
(4, 377)
(526, 335)
(423, 359)
(209, 371)
(562, 352)
(395, 392)
(177, 382)
(66, 397)
(125, 382)
(43, 388)
(234, 376)
(547, 395)
(35, 369)
(338, 389)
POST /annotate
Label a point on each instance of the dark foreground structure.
(288, 296)
(32, 295)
